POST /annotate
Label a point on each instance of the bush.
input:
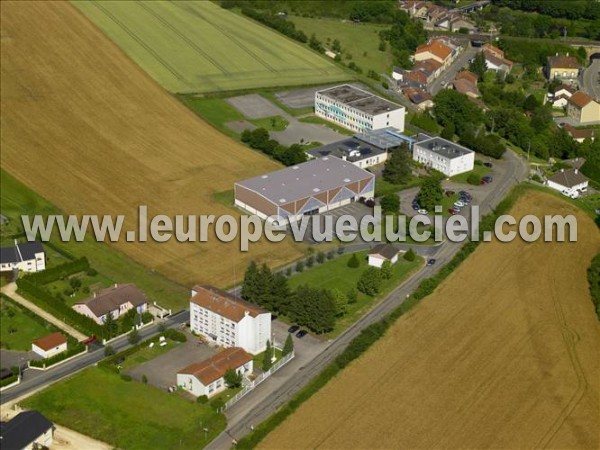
(330, 254)
(320, 257)
(310, 261)
(353, 262)
(217, 403)
(385, 85)
(125, 377)
(299, 266)
(410, 255)
(175, 335)
(144, 379)
(473, 179)
(203, 399)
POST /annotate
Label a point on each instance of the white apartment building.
(358, 110)
(445, 156)
(229, 321)
(25, 256)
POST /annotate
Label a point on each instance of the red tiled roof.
(435, 48)
(224, 304)
(494, 50)
(467, 75)
(50, 341)
(580, 99)
(215, 367)
(578, 134)
(563, 62)
(112, 298)
(465, 87)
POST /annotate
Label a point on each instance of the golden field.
(86, 128)
(504, 354)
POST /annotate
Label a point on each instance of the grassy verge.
(225, 198)
(383, 187)
(375, 331)
(480, 171)
(145, 353)
(18, 326)
(17, 199)
(216, 111)
(318, 121)
(275, 123)
(335, 274)
(127, 414)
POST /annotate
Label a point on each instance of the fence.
(259, 379)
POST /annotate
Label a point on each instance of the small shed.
(381, 253)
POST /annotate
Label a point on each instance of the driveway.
(11, 290)
(162, 370)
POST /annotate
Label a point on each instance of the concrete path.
(11, 290)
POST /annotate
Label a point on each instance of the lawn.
(478, 170)
(335, 274)
(200, 47)
(125, 414)
(89, 285)
(383, 187)
(146, 354)
(275, 123)
(112, 265)
(18, 329)
(360, 41)
(318, 121)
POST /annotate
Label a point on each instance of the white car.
(422, 211)
(459, 203)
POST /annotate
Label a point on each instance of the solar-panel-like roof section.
(298, 182)
(444, 148)
(352, 148)
(385, 138)
(359, 99)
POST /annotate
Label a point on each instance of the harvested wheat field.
(83, 126)
(503, 355)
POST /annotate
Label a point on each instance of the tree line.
(260, 139)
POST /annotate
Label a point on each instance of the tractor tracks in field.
(570, 338)
(184, 38)
(141, 42)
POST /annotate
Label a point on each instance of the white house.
(28, 430)
(116, 300)
(443, 155)
(570, 182)
(560, 97)
(50, 345)
(381, 253)
(25, 256)
(358, 110)
(206, 377)
(229, 321)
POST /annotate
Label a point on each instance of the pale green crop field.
(196, 46)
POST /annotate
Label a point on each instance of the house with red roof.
(50, 345)
(582, 108)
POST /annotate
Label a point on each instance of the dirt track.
(86, 128)
(504, 354)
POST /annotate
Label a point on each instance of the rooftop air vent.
(282, 200)
(265, 176)
(346, 180)
(316, 190)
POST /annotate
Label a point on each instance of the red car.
(452, 211)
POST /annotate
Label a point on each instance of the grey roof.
(306, 179)
(29, 249)
(347, 148)
(385, 138)
(111, 298)
(9, 255)
(23, 430)
(26, 249)
(444, 148)
(359, 99)
(388, 251)
(568, 178)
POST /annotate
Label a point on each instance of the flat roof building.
(309, 188)
(443, 155)
(358, 110)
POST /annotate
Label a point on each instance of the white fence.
(259, 379)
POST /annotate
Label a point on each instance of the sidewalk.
(11, 290)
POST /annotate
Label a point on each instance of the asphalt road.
(50, 376)
(591, 80)
(448, 75)
(246, 414)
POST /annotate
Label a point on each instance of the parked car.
(487, 179)
(430, 262)
(422, 211)
(453, 211)
(488, 164)
(370, 203)
(459, 203)
(293, 329)
(300, 334)
(416, 206)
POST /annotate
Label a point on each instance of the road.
(11, 290)
(591, 80)
(268, 397)
(45, 378)
(448, 75)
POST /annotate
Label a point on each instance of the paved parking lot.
(254, 106)
(162, 371)
(303, 98)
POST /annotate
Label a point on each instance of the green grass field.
(125, 414)
(275, 123)
(18, 329)
(361, 41)
(17, 199)
(480, 171)
(336, 274)
(196, 46)
(319, 121)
